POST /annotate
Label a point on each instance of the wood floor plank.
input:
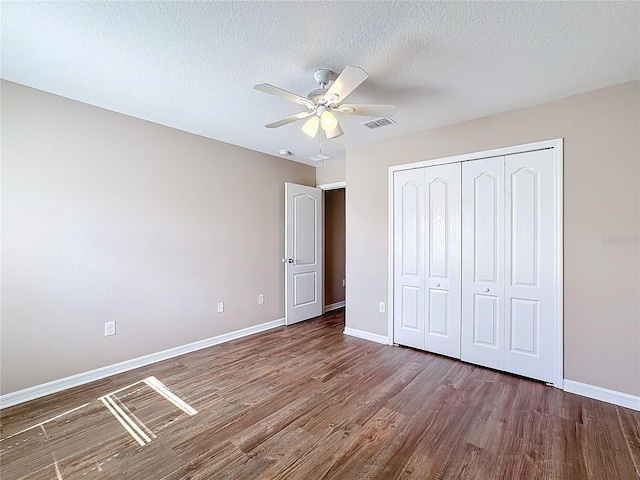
(307, 402)
(630, 426)
(365, 454)
(323, 454)
(604, 448)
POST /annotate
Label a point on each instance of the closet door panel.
(530, 257)
(443, 265)
(483, 265)
(409, 271)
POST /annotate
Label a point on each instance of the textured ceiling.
(192, 66)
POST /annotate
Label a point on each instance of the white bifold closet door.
(409, 324)
(483, 266)
(427, 266)
(529, 264)
(508, 267)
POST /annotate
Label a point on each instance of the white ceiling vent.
(378, 122)
(318, 157)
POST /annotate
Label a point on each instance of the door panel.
(443, 244)
(439, 321)
(303, 252)
(305, 286)
(305, 224)
(411, 309)
(524, 321)
(485, 321)
(530, 260)
(411, 228)
(523, 218)
(483, 267)
(408, 313)
(486, 193)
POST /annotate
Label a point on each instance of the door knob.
(287, 260)
(486, 289)
(437, 285)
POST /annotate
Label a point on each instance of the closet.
(475, 250)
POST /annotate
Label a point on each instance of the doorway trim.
(332, 186)
(324, 187)
(558, 149)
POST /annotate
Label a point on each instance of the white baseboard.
(334, 306)
(372, 337)
(603, 394)
(55, 386)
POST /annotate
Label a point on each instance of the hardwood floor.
(307, 402)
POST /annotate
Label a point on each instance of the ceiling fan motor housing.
(323, 76)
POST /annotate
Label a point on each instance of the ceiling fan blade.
(336, 132)
(346, 83)
(289, 119)
(278, 92)
(365, 110)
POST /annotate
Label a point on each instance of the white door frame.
(332, 186)
(557, 146)
(324, 187)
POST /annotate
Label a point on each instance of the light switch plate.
(109, 328)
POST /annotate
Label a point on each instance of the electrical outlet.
(220, 307)
(344, 282)
(109, 328)
(382, 307)
(261, 299)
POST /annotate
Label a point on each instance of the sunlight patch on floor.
(85, 439)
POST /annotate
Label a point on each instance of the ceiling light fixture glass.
(328, 121)
(310, 127)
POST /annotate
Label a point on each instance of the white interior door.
(443, 266)
(530, 259)
(483, 265)
(303, 252)
(409, 227)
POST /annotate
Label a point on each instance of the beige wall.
(601, 130)
(107, 217)
(330, 173)
(334, 246)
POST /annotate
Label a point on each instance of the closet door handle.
(437, 285)
(486, 289)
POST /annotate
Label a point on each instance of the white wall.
(601, 201)
(108, 217)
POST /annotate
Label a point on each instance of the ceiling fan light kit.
(323, 103)
(310, 127)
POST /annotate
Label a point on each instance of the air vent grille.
(318, 157)
(378, 122)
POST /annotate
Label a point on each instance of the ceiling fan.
(322, 103)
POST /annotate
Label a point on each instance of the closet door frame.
(557, 146)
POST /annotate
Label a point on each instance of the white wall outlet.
(109, 328)
(220, 307)
(382, 307)
(261, 299)
(344, 282)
